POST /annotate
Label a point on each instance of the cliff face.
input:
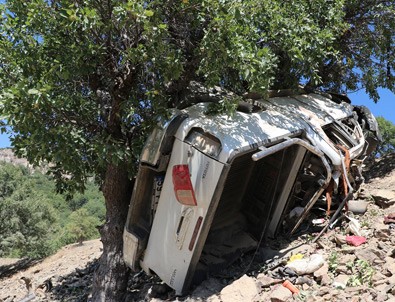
(8, 156)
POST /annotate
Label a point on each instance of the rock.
(381, 287)
(340, 239)
(383, 198)
(381, 297)
(322, 276)
(342, 269)
(266, 281)
(243, 289)
(340, 281)
(390, 265)
(386, 248)
(207, 288)
(355, 289)
(264, 296)
(390, 288)
(366, 297)
(371, 255)
(343, 296)
(378, 277)
(379, 282)
(304, 249)
(347, 258)
(305, 286)
(280, 294)
(383, 234)
(304, 280)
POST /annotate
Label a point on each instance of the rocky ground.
(330, 268)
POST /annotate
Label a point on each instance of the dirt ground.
(69, 260)
(363, 273)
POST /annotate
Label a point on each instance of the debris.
(280, 294)
(383, 198)
(28, 283)
(282, 272)
(340, 281)
(307, 265)
(296, 212)
(304, 280)
(358, 206)
(318, 221)
(340, 239)
(355, 240)
(370, 254)
(295, 257)
(390, 218)
(291, 287)
(243, 289)
(354, 227)
(321, 275)
(266, 281)
(383, 234)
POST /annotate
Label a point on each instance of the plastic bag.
(307, 265)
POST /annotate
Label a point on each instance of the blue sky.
(385, 107)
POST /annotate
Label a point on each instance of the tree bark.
(111, 277)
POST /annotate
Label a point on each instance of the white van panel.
(171, 245)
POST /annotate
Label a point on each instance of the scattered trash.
(339, 285)
(383, 197)
(307, 265)
(355, 240)
(318, 221)
(291, 287)
(354, 227)
(340, 239)
(296, 212)
(358, 206)
(304, 280)
(390, 218)
(283, 272)
(295, 257)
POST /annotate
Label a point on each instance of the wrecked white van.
(210, 187)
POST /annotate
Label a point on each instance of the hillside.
(363, 273)
(6, 155)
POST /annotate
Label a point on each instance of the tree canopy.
(34, 221)
(82, 81)
(387, 129)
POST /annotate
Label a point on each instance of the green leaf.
(33, 91)
(149, 13)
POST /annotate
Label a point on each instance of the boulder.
(280, 294)
(243, 289)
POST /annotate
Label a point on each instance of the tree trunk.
(111, 277)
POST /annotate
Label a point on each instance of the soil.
(67, 275)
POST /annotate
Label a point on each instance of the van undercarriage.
(212, 188)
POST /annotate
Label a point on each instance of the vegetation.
(82, 80)
(34, 221)
(363, 273)
(387, 129)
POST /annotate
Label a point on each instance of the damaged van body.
(211, 187)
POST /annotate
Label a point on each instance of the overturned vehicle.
(209, 187)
